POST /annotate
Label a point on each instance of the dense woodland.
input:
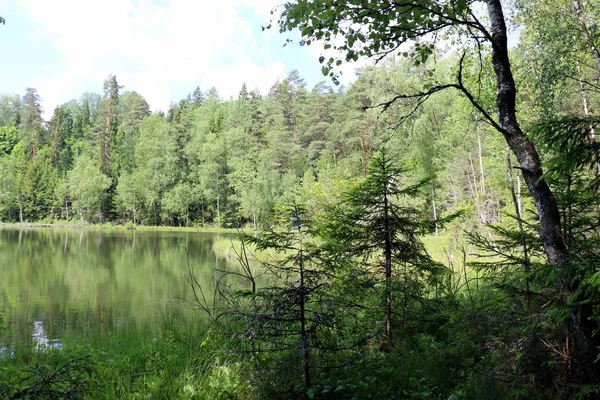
(105, 157)
(345, 181)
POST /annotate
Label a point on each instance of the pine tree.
(31, 122)
(107, 128)
(133, 108)
(297, 315)
(108, 124)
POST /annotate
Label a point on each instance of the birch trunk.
(524, 150)
(578, 324)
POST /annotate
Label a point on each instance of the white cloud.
(154, 47)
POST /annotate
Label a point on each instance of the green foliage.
(558, 57)
(373, 30)
(231, 163)
(10, 108)
(71, 379)
(30, 126)
(132, 109)
(223, 382)
(60, 131)
(156, 168)
(375, 223)
(170, 360)
(297, 315)
(36, 185)
(9, 137)
(9, 195)
(490, 324)
(87, 186)
(571, 144)
(130, 192)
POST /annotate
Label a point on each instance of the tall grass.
(175, 359)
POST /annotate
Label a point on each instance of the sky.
(162, 49)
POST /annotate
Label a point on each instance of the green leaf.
(594, 280)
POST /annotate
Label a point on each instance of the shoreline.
(125, 227)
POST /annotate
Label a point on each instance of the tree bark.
(435, 216)
(517, 206)
(388, 267)
(524, 150)
(578, 325)
(364, 155)
(586, 32)
(303, 328)
(585, 104)
(480, 155)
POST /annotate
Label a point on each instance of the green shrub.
(129, 225)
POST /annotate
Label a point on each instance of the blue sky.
(161, 48)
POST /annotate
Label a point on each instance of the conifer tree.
(107, 128)
(31, 122)
(197, 98)
(60, 129)
(108, 123)
(373, 224)
(297, 315)
(133, 108)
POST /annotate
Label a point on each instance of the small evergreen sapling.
(374, 225)
(297, 315)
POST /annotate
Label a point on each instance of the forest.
(430, 231)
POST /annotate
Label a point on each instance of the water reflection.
(85, 281)
(41, 341)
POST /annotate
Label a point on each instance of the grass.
(180, 359)
(451, 354)
(177, 360)
(229, 248)
(444, 248)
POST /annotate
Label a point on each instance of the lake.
(58, 281)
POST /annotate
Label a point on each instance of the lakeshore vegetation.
(430, 231)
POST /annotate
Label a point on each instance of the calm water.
(58, 280)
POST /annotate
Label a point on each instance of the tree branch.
(421, 97)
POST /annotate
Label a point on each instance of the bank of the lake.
(89, 279)
(111, 312)
(226, 242)
(175, 360)
(126, 226)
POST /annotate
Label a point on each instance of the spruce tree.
(60, 129)
(31, 122)
(375, 224)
